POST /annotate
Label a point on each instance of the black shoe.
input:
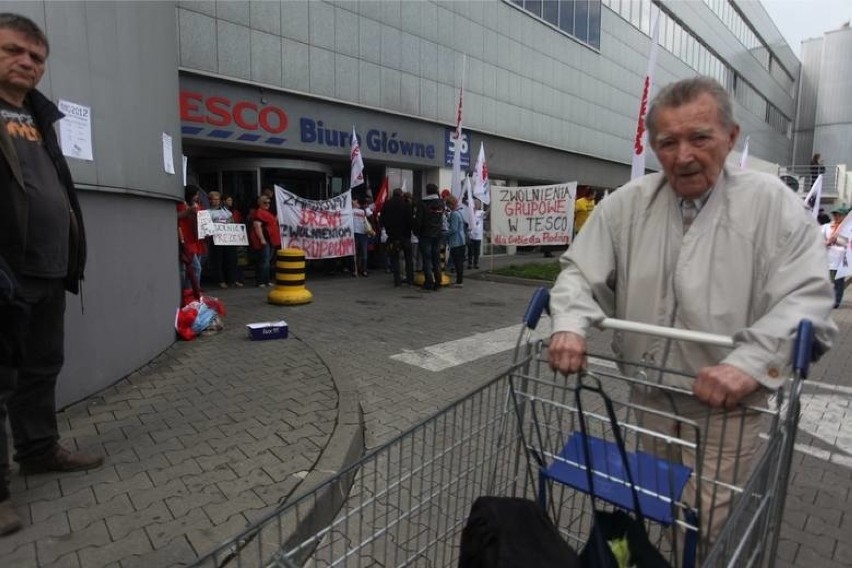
(62, 460)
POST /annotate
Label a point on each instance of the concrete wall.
(525, 80)
(833, 119)
(121, 60)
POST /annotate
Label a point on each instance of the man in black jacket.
(398, 218)
(42, 254)
(429, 221)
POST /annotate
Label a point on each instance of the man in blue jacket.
(42, 254)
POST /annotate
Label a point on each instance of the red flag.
(381, 197)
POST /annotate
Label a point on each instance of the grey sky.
(803, 19)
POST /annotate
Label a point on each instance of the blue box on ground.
(267, 330)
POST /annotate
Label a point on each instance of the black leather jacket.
(14, 211)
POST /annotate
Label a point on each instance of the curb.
(345, 447)
(491, 277)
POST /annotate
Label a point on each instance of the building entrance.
(244, 178)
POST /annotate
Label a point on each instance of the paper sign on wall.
(75, 130)
(168, 154)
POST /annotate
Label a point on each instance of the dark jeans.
(839, 288)
(457, 256)
(27, 393)
(262, 270)
(430, 251)
(224, 260)
(361, 245)
(474, 249)
(394, 247)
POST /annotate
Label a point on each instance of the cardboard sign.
(533, 216)
(323, 229)
(205, 223)
(230, 234)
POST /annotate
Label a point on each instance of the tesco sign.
(222, 112)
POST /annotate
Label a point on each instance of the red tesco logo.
(221, 111)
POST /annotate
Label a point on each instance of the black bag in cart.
(617, 540)
(510, 532)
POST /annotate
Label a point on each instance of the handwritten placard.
(532, 216)
(205, 224)
(229, 234)
(323, 229)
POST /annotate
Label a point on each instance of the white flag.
(744, 157)
(356, 177)
(481, 185)
(455, 184)
(468, 209)
(845, 269)
(640, 141)
(812, 199)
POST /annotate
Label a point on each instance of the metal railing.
(802, 176)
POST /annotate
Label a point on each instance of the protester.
(815, 169)
(191, 247)
(264, 239)
(835, 246)
(456, 239)
(241, 250)
(474, 243)
(397, 220)
(222, 258)
(583, 207)
(42, 254)
(360, 230)
(704, 247)
(428, 226)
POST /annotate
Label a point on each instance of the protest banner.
(323, 229)
(533, 216)
(229, 235)
(205, 223)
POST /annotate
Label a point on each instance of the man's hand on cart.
(567, 352)
(723, 386)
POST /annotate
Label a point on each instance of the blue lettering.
(374, 142)
(308, 130)
(430, 152)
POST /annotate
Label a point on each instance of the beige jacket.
(751, 266)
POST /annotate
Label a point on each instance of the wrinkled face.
(22, 61)
(692, 143)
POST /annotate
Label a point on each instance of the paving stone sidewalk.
(208, 437)
(213, 434)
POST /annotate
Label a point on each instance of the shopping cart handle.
(674, 333)
(804, 352)
(539, 302)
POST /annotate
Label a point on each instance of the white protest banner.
(323, 229)
(229, 235)
(531, 216)
(205, 224)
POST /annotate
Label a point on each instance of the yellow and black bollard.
(420, 278)
(290, 279)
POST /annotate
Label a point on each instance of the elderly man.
(42, 253)
(703, 247)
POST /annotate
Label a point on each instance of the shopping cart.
(406, 502)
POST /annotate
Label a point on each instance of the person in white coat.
(700, 247)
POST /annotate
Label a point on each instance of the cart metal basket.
(406, 502)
